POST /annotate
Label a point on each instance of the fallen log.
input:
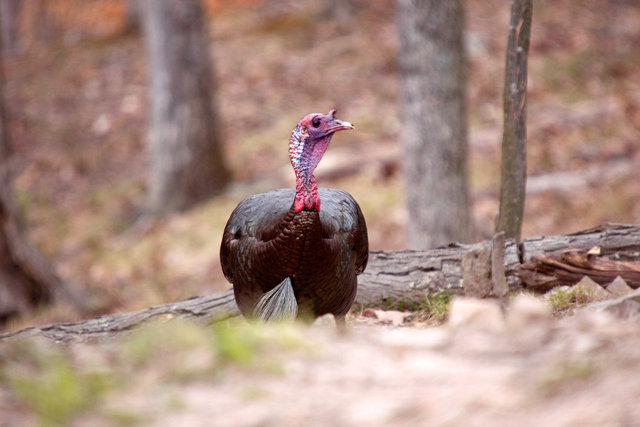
(490, 268)
(571, 265)
(601, 253)
(208, 308)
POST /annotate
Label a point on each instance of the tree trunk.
(26, 278)
(9, 21)
(513, 166)
(434, 128)
(43, 27)
(185, 144)
(133, 16)
(406, 275)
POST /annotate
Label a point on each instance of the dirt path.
(479, 368)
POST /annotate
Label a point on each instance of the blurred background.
(77, 96)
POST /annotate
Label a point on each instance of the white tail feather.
(277, 304)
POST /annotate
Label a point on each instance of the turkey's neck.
(305, 154)
(306, 193)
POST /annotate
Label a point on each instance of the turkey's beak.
(340, 125)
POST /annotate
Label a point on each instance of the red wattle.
(306, 197)
(298, 203)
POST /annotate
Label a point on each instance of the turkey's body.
(266, 241)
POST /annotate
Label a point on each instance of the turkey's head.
(309, 141)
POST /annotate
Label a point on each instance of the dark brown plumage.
(287, 256)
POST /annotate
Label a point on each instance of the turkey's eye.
(315, 122)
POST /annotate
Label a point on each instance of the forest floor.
(527, 368)
(79, 114)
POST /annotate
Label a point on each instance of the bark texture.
(407, 275)
(434, 128)
(513, 166)
(187, 165)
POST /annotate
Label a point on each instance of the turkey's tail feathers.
(277, 304)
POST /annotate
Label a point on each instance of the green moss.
(165, 339)
(56, 391)
(61, 385)
(235, 346)
(438, 305)
(187, 351)
(429, 308)
(257, 346)
(563, 300)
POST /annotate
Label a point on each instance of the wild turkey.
(285, 255)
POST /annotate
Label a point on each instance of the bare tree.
(133, 16)
(185, 145)
(513, 166)
(26, 277)
(434, 128)
(9, 16)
